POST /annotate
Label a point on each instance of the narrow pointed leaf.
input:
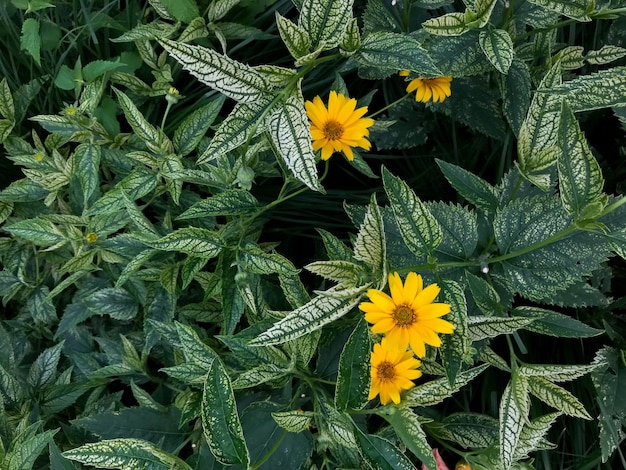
(473, 188)
(450, 24)
(556, 373)
(605, 54)
(437, 390)
(144, 130)
(370, 246)
(419, 229)
(38, 231)
(7, 107)
(489, 327)
(577, 9)
(548, 322)
(353, 375)
(229, 202)
(381, 454)
(295, 38)
(510, 429)
(87, 168)
(220, 421)
(407, 425)
(191, 240)
(189, 134)
(498, 47)
(557, 397)
(455, 348)
(533, 435)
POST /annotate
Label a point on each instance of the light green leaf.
(576, 9)
(144, 130)
(295, 38)
(43, 370)
(498, 47)
(191, 131)
(605, 55)
(556, 373)
(316, 313)
(481, 12)
(603, 89)
(511, 424)
(353, 375)
(325, 21)
(30, 41)
(113, 301)
(370, 246)
(222, 428)
(419, 229)
(126, 454)
(87, 168)
(380, 454)
(97, 68)
(539, 131)
(182, 10)
(236, 129)
(7, 107)
(39, 231)
(450, 24)
(570, 58)
(219, 8)
(532, 437)
(6, 126)
(393, 52)
(435, 391)
(191, 240)
(234, 79)
(473, 188)
(344, 272)
(258, 375)
(155, 30)
(455, 348)
(351, 41)
(557, 397)
(490, 327)
(26, 448)
(253, 259)
(407, 426)
(293, 421)
(471, 429)
(290, 132)
(229, 202)
(580, 176)
(548, 322)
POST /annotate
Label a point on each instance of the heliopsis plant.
(437, 88)
(409, 317)
(393, 370)
(340, 127)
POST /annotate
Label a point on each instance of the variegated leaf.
(379, 453)
(7, 107)
(353, 373)
(407, 426)
(510, 429)
(482, 12)
(295, 38)
(290, 132)
(605, 55)
(219, 8)
(142, 128)
(580, 176)
(325, 21)
(571, 57)
(228, 202)
(234, 79)
(419, 229)
(532, 437)
(489, 327)
(455, 348)
(191, 240)
(557, 397)
(450, 24)
(316, 313)
(253, 259)
(576, 9)
(293, 421)
(344, 272)
(191, 131)
(556, 373)
(471, 429)
(258, 375)
(370, 246)
(498, 47)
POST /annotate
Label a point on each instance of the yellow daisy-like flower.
(437, 89)
(338, 128)
(392, 371)
(408, 317)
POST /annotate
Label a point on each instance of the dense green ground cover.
(184, 274)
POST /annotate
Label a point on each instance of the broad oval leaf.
(450, 24)
(576, 9)
(325, 21)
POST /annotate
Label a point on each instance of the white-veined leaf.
(258, 375)
(295, 38)
(510, 429)
(39, 231)
(191, 131)
(516, 94)
(26, 447)
(316, 313)
(253, 259)
(234, 79)
(345, 272)
(290, 132)
(532, 437)
(455, 348)
(293, 421)
(353, 373)
(489, 327)
(154, 30)
(482, 12)
(325, 21)
(580, 176)
(570, 57)
(370, 246)
(228, 202)
(470, 429)
(450, 24)
(191, 240)
(605, 54)
(219, 8)
(557, 397)
(556, 373)
(351, 41)
(144, 130)
(7, 107)
(498, 47)
(87, 169)
(407, 426)
(577, 9)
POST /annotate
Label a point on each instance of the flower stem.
(390, 105)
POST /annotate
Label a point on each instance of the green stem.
(167, 111)
(390, 105)
(270, 452)
(535, 246)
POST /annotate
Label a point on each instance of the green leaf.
(353, 375)
(450, 24)
(344, 272)
(253, 259)
(556, 373)
(6, 126)
(459, 56)
(295, 38)
(228, 202)
(234, 79)
(40, 232)
(407, 426)
(191, 131)
(26, 448)
(485, 296)
(30, 41)
(381, 454)
(481, 12)
(10, 389)
(539, 131)
(471, 429)
(351, 41)
(193, 347)
(191, 240)
(532, 437)
(473, 188)
(605, 55)
(455, 348)
(393, 52)
(290, 132)
(87, 169)
(490, 327)
(498, 47)
(144, 130)
(182, 10)
(325, 21)
(316, 313)
(580, 176)
(97, 68)
(516, 94)
(435, 391)
(419, 229)
(126, 454)
(603, 89)
(293, 421)
(369, 245)
(238, 127)
(557, 397)
(576, 9)
(220, 422)
(113, 301)
(57, 461)
(44, 370)
(219, 8)
(570, 57)
(551, 323)
(258, 375)
(510, 428)
(155, 30)
(7, 107)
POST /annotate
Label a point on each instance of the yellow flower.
(409, 317)
(91, 237)
(437, 89)
(338, 128)
(393, 369)
(39, 156)
(70, 110)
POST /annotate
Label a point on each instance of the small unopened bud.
(245, 177)
(91, 237)
(172, 96)
(39, 156)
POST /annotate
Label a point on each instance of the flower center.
(333, 130)
(404, 315)
(386, 371)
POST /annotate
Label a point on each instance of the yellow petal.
(382, 300)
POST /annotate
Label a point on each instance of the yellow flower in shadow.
(437, 88)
